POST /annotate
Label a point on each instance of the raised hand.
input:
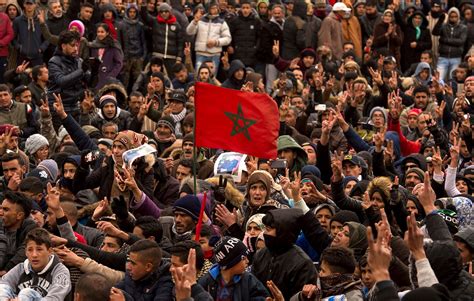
(295, 187)
(440, 110)
(414, 238)
(108, 228)
(393, 81)
(276, 48)
(379, 256)
(275, 291)
(379, 139)
(454, 152)
(426, 194)
(336, 166)
(22, 67)
(225, 216)
(53, 197)
(389, 153)
(58, 106)
(436, 160)
(88, 102)
(225, 59)
(395, 105)
(376, 76)
(284, 108)
(187, 49)
(100, 210)
(366, 203)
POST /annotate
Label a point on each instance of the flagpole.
(194, 147)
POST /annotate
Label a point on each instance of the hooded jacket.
(422, 66)
(288, 266)
(6, 34)
(286, 142)
(231, 82)
(412, 55)
(452, 37)
(294, 32)
(134, 43)
(28, 38)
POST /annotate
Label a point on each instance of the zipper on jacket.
(166, 42)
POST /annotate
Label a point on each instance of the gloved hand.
(219, 190)
(119, 208)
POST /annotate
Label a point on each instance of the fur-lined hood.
(118, 88)
(231, 192)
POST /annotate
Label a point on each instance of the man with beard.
(469, 93)
(205, 166)
(413, 176)
(186, 214)
(368, 20)
(56, 22)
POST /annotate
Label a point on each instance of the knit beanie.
(50, 167)
(168, 122)
(164, 7)
(310, 169)
(420, 173)
(79, 25)
(91, 131)
(62, 134)
(378, 109)
(188, 138)
(107, 99)
(34, 143)
(130, 139)
(190, 205)
(308, 52)
(414, 111)
(8, 127)
(344, 216)
(229, 251)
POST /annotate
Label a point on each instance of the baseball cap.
(354, 159)
(339, 6)
(178, 96)
(389, 59)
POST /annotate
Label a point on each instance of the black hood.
(419, 159)
(300, 9)
(424, 23)
(445, 260)
(107, 7)
(285, 221)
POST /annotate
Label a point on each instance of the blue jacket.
(155, 287)
(246, 287)
(28, 38)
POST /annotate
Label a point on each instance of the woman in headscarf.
(387, 34)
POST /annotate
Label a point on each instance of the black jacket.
(271, 31)
(412, 55)
(231, 82)
(294, 32)
(16, 253)
(65, 78)
(245, 38)
(452, 37)
(289, 267)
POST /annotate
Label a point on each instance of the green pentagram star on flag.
(241, 124)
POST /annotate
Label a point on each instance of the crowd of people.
(370, 198)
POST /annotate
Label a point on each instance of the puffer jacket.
(209, 28)
(452, 37)
(168, 40)
(65, 78)
(245, 38)
(289, 267)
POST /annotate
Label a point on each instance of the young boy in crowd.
(41, 276)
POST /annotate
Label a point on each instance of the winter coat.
(167, 37)
(28, 38)
(15, 254)
(412, 55)
(331, 35)
(452, 37)
(245, 287)
(294, 32)
(209, 28)
(121, 118)
(157, 286)
(367, 25)
(231, 82)
(351, 31)
(6, 34)
(65, 78)
(134, 43)
(245, 38)
(392, 43)
(110, 64)
(271, 31)
(290, 269)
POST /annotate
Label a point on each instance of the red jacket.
(406, 146)
(6, 34)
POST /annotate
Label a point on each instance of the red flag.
(239, 121)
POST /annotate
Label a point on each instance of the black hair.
(36, 71)
(67, 37)
(363, 262)
(181, 250)
(186, 163)
(21, 200)
(339, 259)
(178, 67)
(13, 156)
(135, 94)
(4, 87)
(421, 89)
(150, 227)
(429, 52)
(206, 231)
(87, 4)
(93, 287)
(40, 236)
(31, 184)
(119, 241)
(148, 251)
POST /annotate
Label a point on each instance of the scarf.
(336, 284)
(418, 32)
(177, 120)
(31, 24)
(280, 25)
(170, 20)
(113, 32)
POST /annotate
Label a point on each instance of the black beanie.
(345, 216)
(229, 251)
(190, 205)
